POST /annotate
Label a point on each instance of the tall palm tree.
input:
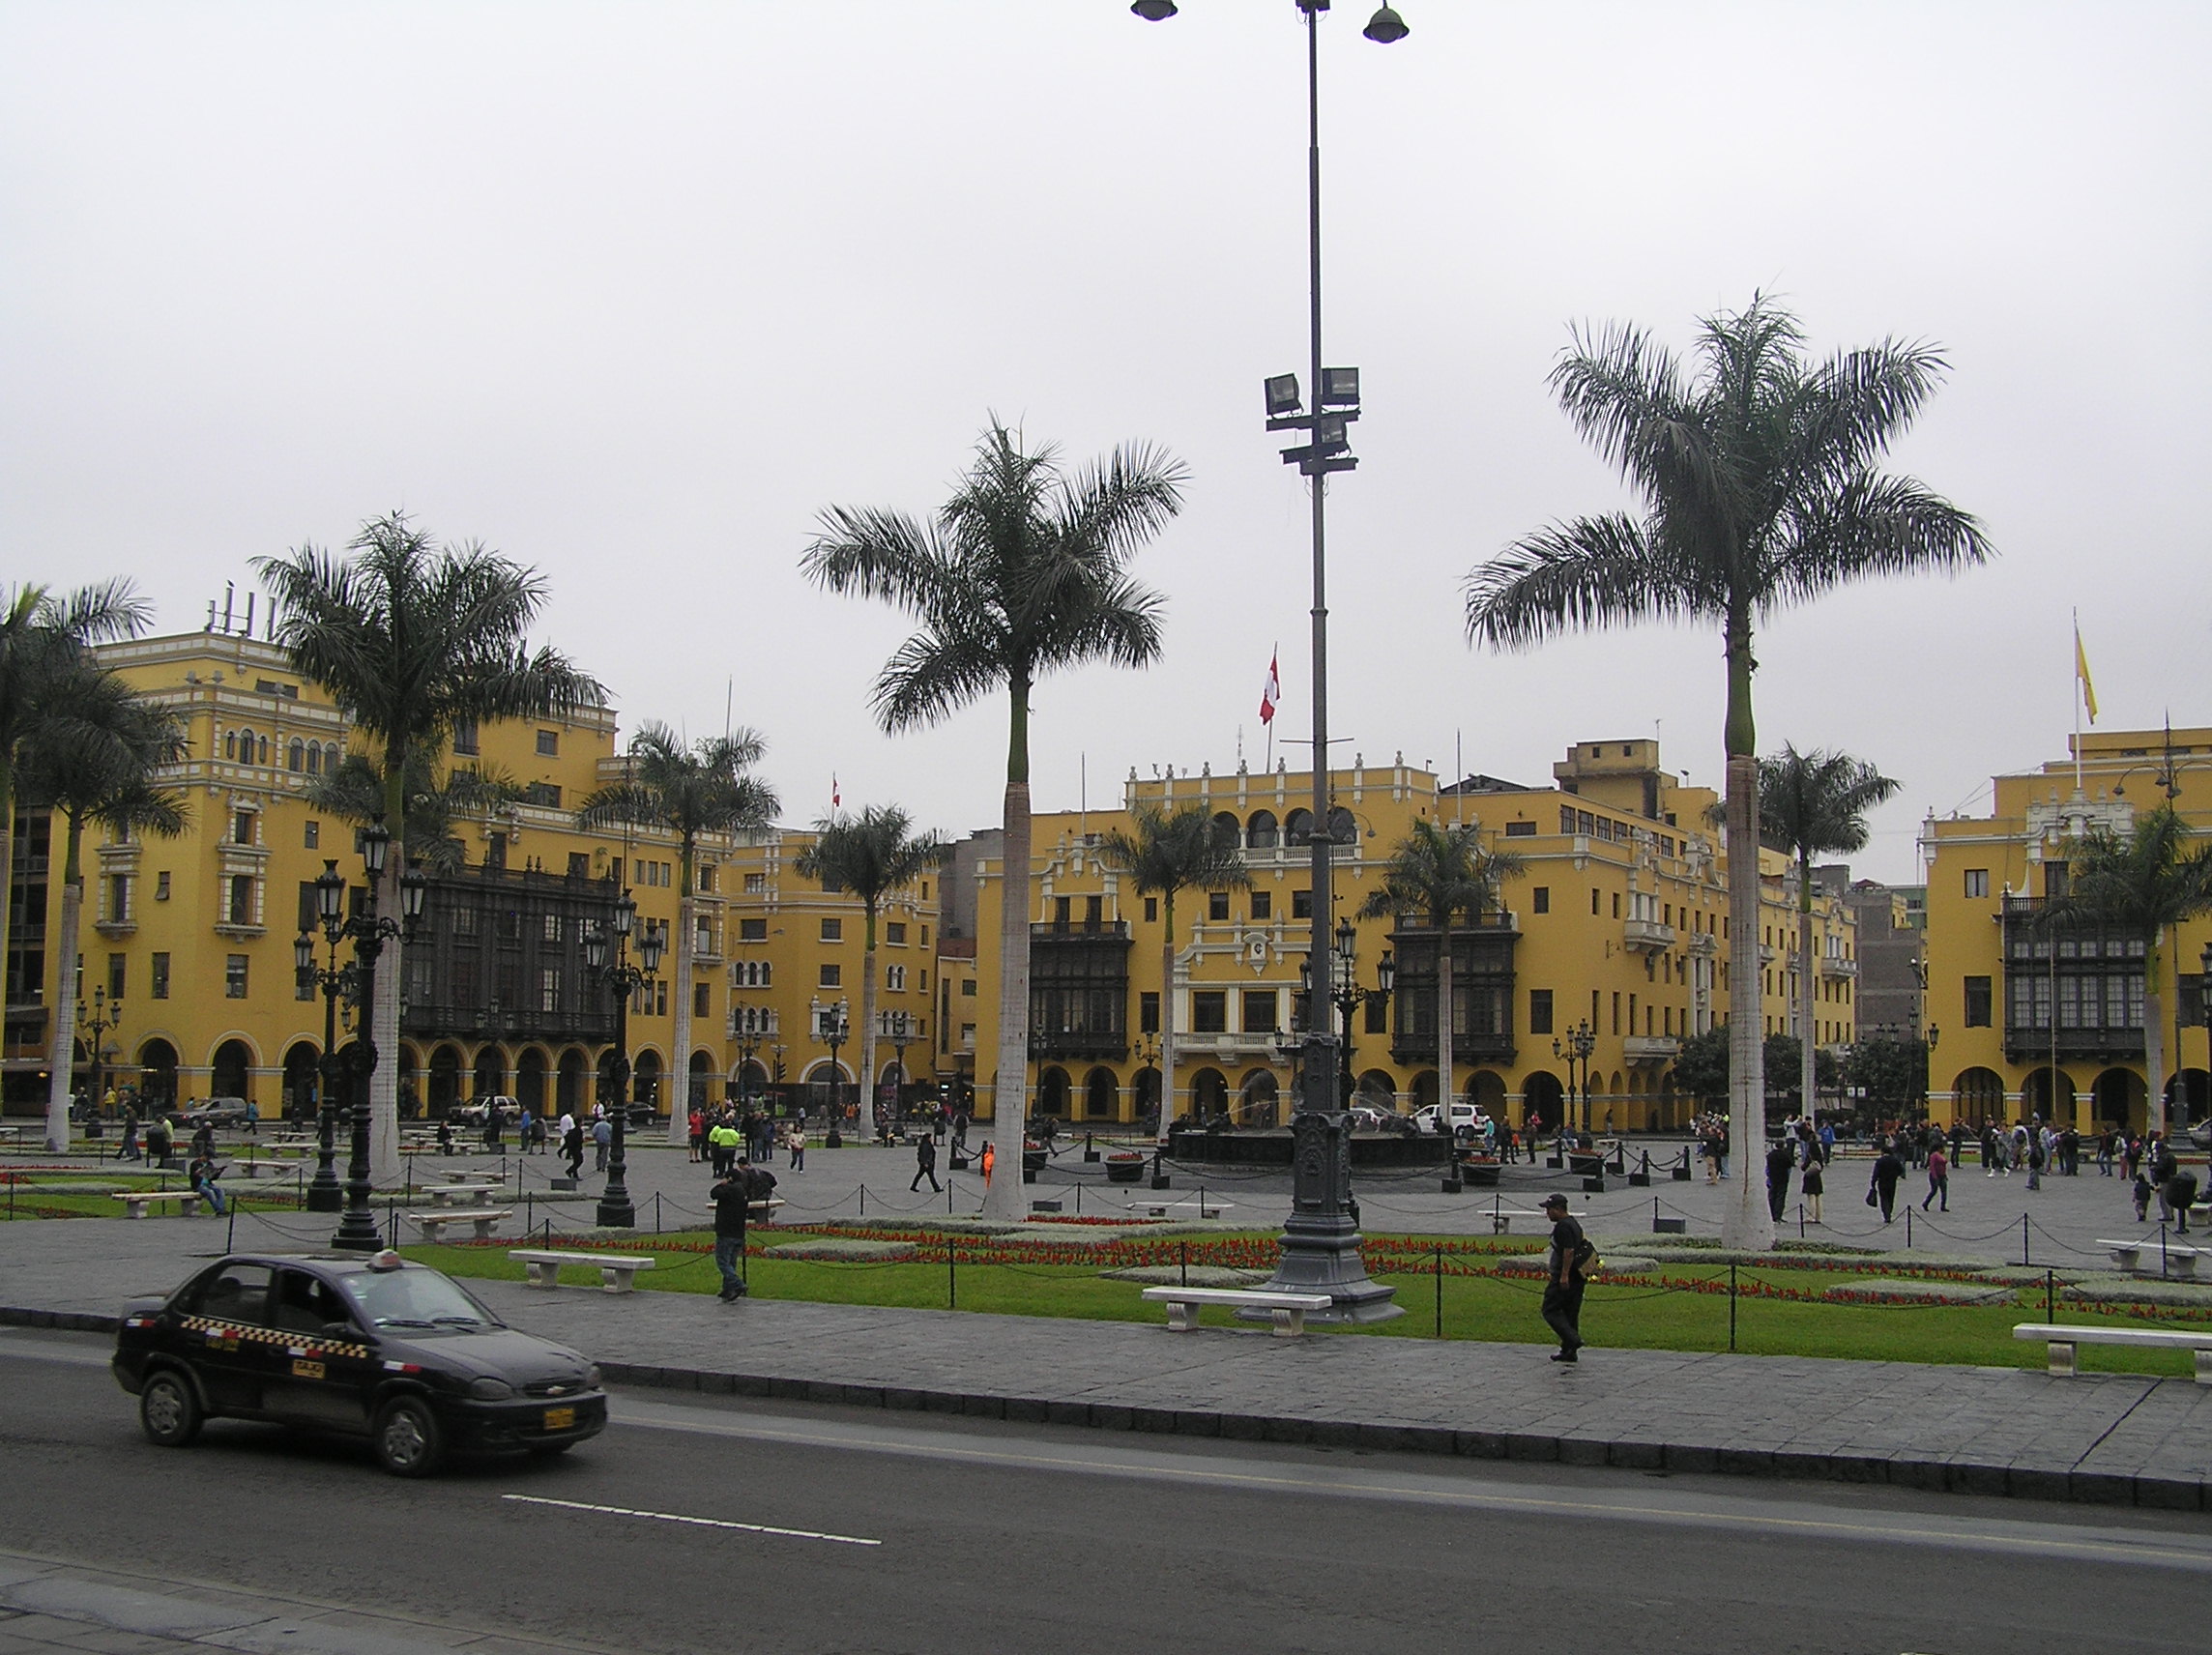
(2144, 883)
(1759, 490)
(410, 639)
(42, 636)
(1171, 851)
(689, 790)
(92, 755)
(1023, 573)
(870, 856)
(354, 790)
(1814, 805)
(1440, 875)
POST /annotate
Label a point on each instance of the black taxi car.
(367, 1345)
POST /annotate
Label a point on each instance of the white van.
(1465, 1117)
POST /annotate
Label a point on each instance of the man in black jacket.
(732, 1196)
(1781, 1161)
(926, 1163)
(1563, 1281)
(1887, 1169)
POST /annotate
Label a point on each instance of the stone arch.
(1208, 1093)
(158, 1072)
(490, 1072)
(1543, 1101)
(1980, 1095)
(302, 1076)
(1228, 831)
(1423, 1087)
(2053, 1100)
(1298, 827)
(1486, 1091)
(1377, 1090)
(645, 1078)
(230, 1069)
(445, 1079)
(568, 1072)
(2188, 1096)
(296, 756)
(2121, 1098)
(1259, 1099)
(1261, 832)
(1101, 1094)
(1145, 1084)
(530, 1071)
(702, 1066)
(1053, 1091)
(751, 1078)
(409, 1081)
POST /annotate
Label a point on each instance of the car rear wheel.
(168, 1412)
(408, 1441)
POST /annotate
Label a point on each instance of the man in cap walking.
(1563, 1284)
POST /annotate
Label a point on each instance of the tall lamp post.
(833, 1023)
(1345, 993)
(1580, 1042)
(368, 931)
(324, 1194)
(612, 966)
(1320, 1248)
(901, 1034)
(94, 1025)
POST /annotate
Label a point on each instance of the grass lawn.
(1672, 1315)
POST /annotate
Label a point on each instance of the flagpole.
(2078, 658)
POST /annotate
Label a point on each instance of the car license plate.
(304, 1370)
(560, 1419)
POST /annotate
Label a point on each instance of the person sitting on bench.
(200, 1175)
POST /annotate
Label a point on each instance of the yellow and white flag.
(2082, 671)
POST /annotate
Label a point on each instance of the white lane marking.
(2167, 1550)
(694, 1522)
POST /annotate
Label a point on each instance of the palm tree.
(870, 855)
(1814, 805)
(1759, 490)
(354, 790)
(410, 639)
(1438, 874)
(91, 756)
(2144, 882)
(1024, 574)
(689, 789)
(42, 638)
(1170, 852)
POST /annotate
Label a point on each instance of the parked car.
(472, 1114)
(364, 1345)
(220, 1112)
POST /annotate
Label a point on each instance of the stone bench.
(480, 1219)
(1168, 1209)
(265, 1167)
(2062, 1339)
(136, 1201)
(2179, 1261)
(617, 1270)
(461, 1194)
(1287, 1310)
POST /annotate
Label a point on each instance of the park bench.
(1288, 1311)
(2062, 1339)
(461, 1194)
(138, 1201)
(2176, 1260)
(267, 1167)
(480, 1218)
(617, 1270)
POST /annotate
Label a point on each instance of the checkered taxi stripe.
(246, 1333)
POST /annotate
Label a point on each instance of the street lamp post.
(106, 1014)
(616, 1209)
(1347, 996)
(1580, 1041)
(901, 1034)
(1319, 1247)
(830, 1027)
(324, 1194)
(368, 931)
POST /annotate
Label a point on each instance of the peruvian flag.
(835, 797)
(1270, 692)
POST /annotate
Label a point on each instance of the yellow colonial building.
(1612, 934)
(2027, 1022)
(188, 944)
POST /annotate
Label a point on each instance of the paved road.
(711, 1525)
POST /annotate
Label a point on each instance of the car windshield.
(415, 1297)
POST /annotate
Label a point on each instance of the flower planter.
(1124, 1170)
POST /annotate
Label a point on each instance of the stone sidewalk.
(2110, 1439)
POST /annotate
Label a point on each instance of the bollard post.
(1439, 1292)
(863, 1200)
(1732, 1307)
(1184, 1248)
(229, 1235)
(2049, 1296)
(2160, 1247)
(657, 1213)
(952, 1273)
(1909, 1226)
(2023, 1241)
(1801, 1222)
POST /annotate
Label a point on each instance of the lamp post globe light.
(324, 1194)
(608, 960)
(830, 1027)
(368, 931)
(1580, 1041)
(1320, 1245)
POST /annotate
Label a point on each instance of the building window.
(234, 977)
(241, 827)
(162, 887)
(833, 930)
(1978, 1001)
(707, 878)
(1519, 829)
(1263, 904)
(1217, 905)
(549, 743)
(895, 933)
(1540, 899)
(1301, 905)
(579, 864)
(1377, 1017)
(1594, 896)
(756, 885)
(1260, 1011)
(1977, 882)
(117, 967)
(1148, 1012)
(967, 988)
(1539, 1012)
(1209, 1011)
(701, 1004)
(240, 910)
(160, 976)
(465, 737)
(119, 898)
(542, 794)
(752, 930)
(1616, 905)
(895, 976)
(311, 835)
(1152, 911)
(550, 926)
(548, 991)
(832, 976)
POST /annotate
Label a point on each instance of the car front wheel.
(407, 1439)
(168, 1412)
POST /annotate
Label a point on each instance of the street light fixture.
(1319, 1247)
(1580, 1041)
(106, 1014)
(610, 964)
(324, 1194)
(1345, 993)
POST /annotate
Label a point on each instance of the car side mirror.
(341, 1330)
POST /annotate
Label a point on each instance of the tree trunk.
(867, 1040)
(1745, 1221)
(1010, 1084)
(62, 1056)
(679, 1081)
(1444, 1092)
(1808, 1097)
(1167, 1018)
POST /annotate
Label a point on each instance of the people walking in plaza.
(722, 1147)
(990, 1160)
(602, 1141)
(1939, 1180)
(2037, 1158)
(1814, 1181)
(1569, 1261)
(2105, 1153)
(2163, 1165)
(129, 1149)
(572, 1144)
(1780, 1159)
(698, 1133)
(926, 1163)
(732, 1196)
(795, 1140)
(1887, 1169)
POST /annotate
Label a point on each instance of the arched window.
(230, 743)
(330, 758)
(315, 758)
(262, 757)
(1259, 832)
(296, 756)
(1226, 832)
(245, 746)
(1298, 827)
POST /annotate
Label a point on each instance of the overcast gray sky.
(631, 291)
